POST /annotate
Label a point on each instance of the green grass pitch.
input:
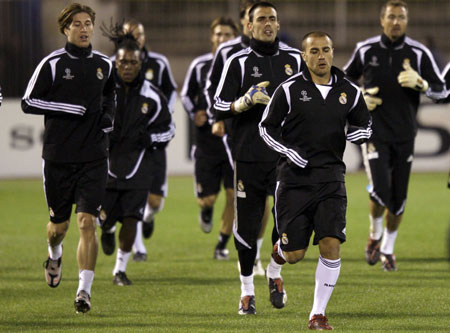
(180, 288)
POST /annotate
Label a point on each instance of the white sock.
(259, 242)
(376, 227)
(122, 258)
(327, 273)
(111, 231)
(274, 269)
(138, 245)
(55, 252)
(86, 277)
(388, 242)
(247, 286)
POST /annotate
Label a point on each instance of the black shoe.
(373, 251)
(139, 256)
(388, 262)
(82, 302)
(147, 228)
(108, 242)
(247, 305)
(121, 279)
(278, 296)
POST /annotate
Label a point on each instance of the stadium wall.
(21, 142)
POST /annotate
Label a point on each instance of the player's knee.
(208, 201)
(329, 248)
(155, 202)
(294, 256)
(57, 229)
(86, 222)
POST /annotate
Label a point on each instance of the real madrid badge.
(284, 238)
(343, 98)
(144, 108)
(240, 185)
(149, 74)
(288, 69)
(99, 74)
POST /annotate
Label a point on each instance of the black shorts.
(302, 209)
(253, 182)
(388, 166)
(209, 173)
(120, 204)
(159, 171)
(82, 184)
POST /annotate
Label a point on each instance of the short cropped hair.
(244, 5)
(227, 22)
(393, 3)
(315, 34)
(65, 18)
(257, 5)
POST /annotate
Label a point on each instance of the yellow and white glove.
(371, 100)
(257, 94)
(409, 78)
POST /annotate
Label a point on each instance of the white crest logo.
(374, 62)
(256, 72)
(68, 76)
(305, 97)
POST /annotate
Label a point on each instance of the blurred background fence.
(180, 28)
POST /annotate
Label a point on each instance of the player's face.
(318, 55)
(80, 31)
(265, 24)
(137, 31)
(244, 23)
(128, 64)
(394, 22)
(221, 33)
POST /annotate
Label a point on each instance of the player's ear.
(303, 55)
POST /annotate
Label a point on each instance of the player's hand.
(257, 94)
(409, 78)
(218, 128)
(200, 118)
(371, 100)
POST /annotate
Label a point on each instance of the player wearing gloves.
(73, 88)
(242, 94)
(305, 124)
(396, 70)
(143, 124)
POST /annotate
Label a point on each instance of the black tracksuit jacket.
(380, 61)
(143, 123)
(248, 67)
(74, 89)
(309, 132)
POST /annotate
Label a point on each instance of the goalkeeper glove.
(369, 97)
(409, 78)
(257, 94)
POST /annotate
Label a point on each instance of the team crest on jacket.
(256, 72)
(374, 61)
(288, 69)
(68, 75)
(305, 97)
(240, 185)
(343, 98)
(240, 193)
(99, 74)
(144, 108)
(149, 74)
(284, 238)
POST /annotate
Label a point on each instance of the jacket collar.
(336, 75)
(389, 44)
(78, 52)
(264, 48)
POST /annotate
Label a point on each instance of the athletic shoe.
(82, 302)
(247, 305)
(319, 322)
(278, 295)
(373, 251)
(121, 279)
(139, 256)
(205, 225)
(388, 262)
(147, 229)
(258, 269)
(221, 254)
(108, 242)
(53, 272)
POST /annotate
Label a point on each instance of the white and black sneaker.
(82, 302)
(121, 279)
(53, 272)
(247, 305)
(221, 254)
